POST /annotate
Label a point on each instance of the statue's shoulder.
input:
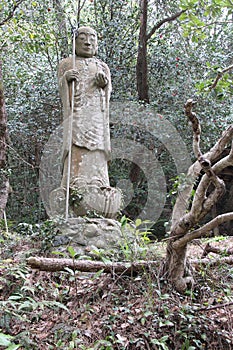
(102, 64)
(64, 65)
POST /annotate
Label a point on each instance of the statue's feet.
(104, 200)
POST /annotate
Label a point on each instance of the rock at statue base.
(82, 232)
(86, 234)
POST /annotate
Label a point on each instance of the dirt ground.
(66, 310)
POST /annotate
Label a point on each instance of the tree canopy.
(188, 47)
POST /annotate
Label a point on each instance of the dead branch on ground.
(56, 264)
(210, 249)
(124, 268)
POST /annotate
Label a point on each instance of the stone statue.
(90, 149)
(85, 87)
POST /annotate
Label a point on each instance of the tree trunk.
(207, 194)
(4, 183)
(176, 268)
(141, 67)
(144, 37)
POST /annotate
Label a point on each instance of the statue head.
(86, 44)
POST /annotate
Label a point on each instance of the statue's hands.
(71, 75)
(101, 79)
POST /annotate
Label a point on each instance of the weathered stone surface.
(85, 234)
(85, 87)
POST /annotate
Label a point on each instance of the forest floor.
(98, 311)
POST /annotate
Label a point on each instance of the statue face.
(86, 42)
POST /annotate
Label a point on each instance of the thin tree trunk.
(4, 183)
(183, 228)
(141, 74)
(144, 37)
(142, 67)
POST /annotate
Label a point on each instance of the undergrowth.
(98, 311)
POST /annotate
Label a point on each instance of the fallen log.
(212, 262)
(124, 268)
(56, 264)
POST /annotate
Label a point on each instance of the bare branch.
(218, 148)
(17, 155)
(79, 9)
(195, 125)
(165, 20)
(214, 307)
(212, 155)
(231, 152)
(210, 249)
(201, 203)
(11, 14)
(219, 76)
(204, 230)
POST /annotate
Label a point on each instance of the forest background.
(160, 54)
(186, 44)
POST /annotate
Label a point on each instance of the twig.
(219, 76)
(146, 342)
(17, 155)
(214, 307)
(11, 14)
(210, 249)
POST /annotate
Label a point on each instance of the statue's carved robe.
(90, 129)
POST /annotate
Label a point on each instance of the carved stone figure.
(85, 87)
(90, 151)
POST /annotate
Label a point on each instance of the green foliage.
(136, 247)
(117, 25)
(184, 58)
(44, 232)
(178, 184)
(64, 310)
(6, 341)
(202, 16)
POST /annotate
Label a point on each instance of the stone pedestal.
(85, 234)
